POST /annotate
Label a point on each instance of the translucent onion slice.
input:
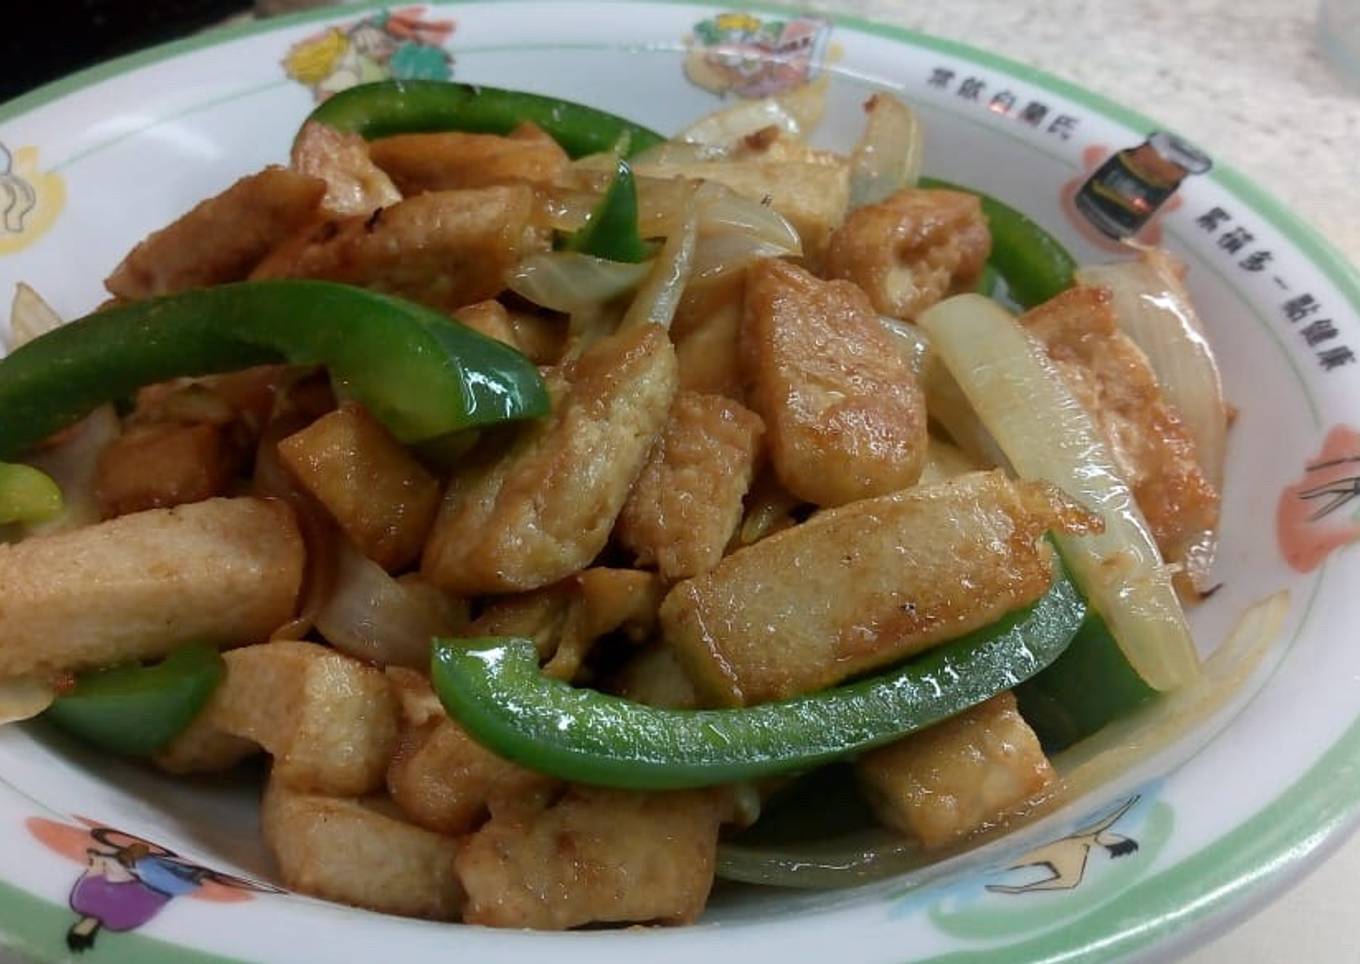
(1022, 400)
(23, 699)
(379, 619)
(889, 154)
(29, 317)
(796, 114)
(567, 281)
(659, 295)
(681, 152)
(72, 462)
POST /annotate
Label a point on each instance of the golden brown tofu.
(491, 319)
(223, 238)
(1113, 380)
(595, 856)
(535, 514)
(687, 502)
(444, 780)
(226, 571)
(910, 250)
(541, 337)
(354, 184)
(382, 497)
(957, 776)
(454, 159)
(444, 249)
(864, 585)
(655, 677)
(707, 336)
(329, 721)
(358, 852)
(159, 466)
(845, 416)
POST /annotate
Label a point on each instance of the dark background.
(51, 38)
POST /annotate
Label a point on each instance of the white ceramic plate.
(96, 161)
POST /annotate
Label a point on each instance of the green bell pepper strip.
(1034, 264)
(494, 689)
(420, 374)
(27, 494)
(389, 107)
(136, 710)
(611, 231)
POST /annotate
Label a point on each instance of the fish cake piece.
(845, 416)
(956, 776)
(543, 510)
(354, 184)
(595, 856)
(225, 571)
(865, 585)
(328, 720)
(223, 238)
(688, 501)
(444, 249)
(358, 852)
(1114, 381)
(912, 249)
(447, 160)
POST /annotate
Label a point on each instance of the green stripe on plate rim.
(1317, 807)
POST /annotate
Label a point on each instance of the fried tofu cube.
(225, 571)
(1114, 381)
(596, 856)
(845, 415)
(357, 852)
(159, 466)
(707, 335)
(491, 319)
(528, 517)
(956, 776)
(912, 249)
(447, 160)
(223, 238)
(865, 585)
(329, 721)
(354, 184)
(444, 249)
(440, 777)
(382, 497)
(656, 677)
(688, 501)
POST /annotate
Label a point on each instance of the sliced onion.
(1022, 400)
(659, 295)
(72, 463)
(724, 211)
(681, 152)
(567, 281)
(911, 343)
(796, 113)
(23, 699)
(29, 317)
(889, 154)
(382, 620)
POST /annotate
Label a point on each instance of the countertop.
(1245, 80)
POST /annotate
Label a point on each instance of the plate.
(1157, 858)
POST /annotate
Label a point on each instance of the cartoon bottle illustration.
(1125, 192)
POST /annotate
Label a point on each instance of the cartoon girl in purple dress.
(128, 880)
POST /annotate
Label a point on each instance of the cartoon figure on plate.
(1311, 521)
(1122, 194)
(1064, 861)
(396, 44)
(30, 199)
(742, 54)
(127, 881)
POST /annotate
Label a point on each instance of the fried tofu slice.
(223, 238)
(383, 499)
(444, 249)
(1114, 381)
(595, 856)
(845, 415)
(225, 571)
(455, 159)
(491, 319)
(912, 249)
(160, 466)
(707, 335)
(329, 721)
(956, 776)
(543, 510)
(354, 184)
(441, 778)
(865, 585)
(687, 502)
(358, 852)
(656, 677)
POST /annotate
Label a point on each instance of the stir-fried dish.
(572, 515)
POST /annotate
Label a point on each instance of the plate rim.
(1224, 881)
